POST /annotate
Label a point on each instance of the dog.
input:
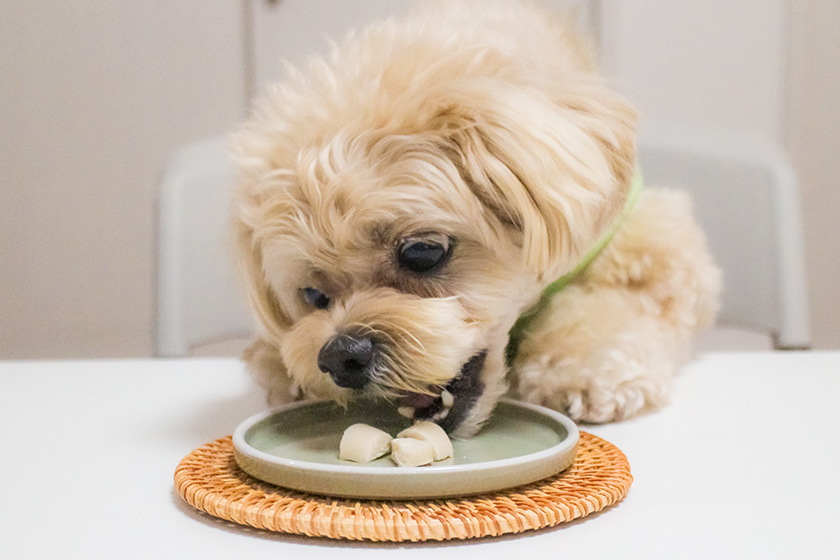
(447, 210)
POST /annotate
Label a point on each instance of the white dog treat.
(432, 433)
(411, 452)
(362, 444)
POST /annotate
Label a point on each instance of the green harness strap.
(518, 330)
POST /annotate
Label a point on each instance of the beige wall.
(813, 138)
(93, 96)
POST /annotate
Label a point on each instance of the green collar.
(517, 332)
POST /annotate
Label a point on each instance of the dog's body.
(404, 202)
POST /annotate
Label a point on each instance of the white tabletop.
(744, 463)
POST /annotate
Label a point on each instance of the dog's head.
(402, 203)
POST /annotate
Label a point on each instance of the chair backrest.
(746, 198)
(198, 301)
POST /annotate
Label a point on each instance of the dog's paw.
(268, 370)
(599, 405)
(594, 397)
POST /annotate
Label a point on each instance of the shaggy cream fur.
(482, 130)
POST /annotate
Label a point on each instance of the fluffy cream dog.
(402, 203)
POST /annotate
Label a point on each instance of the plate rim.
(241, 446)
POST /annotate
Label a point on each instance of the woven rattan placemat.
(209, 479)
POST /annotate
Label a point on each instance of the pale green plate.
(296, 447)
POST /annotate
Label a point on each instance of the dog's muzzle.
(350, 360)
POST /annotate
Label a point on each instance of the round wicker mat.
(209, 479)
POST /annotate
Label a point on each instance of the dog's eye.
(423, 255)
(315, 298)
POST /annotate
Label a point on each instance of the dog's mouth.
(448, 405)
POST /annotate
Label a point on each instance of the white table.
(743, 464)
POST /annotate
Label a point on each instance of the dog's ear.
(273, 322)
(555, 168)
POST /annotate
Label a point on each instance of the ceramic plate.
(296, 447)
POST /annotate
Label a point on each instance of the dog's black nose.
(348, 360)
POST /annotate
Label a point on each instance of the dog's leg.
(608, 346)
(598, 357)
(268, 370)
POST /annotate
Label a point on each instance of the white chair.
(745, 196)
(198, 302)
